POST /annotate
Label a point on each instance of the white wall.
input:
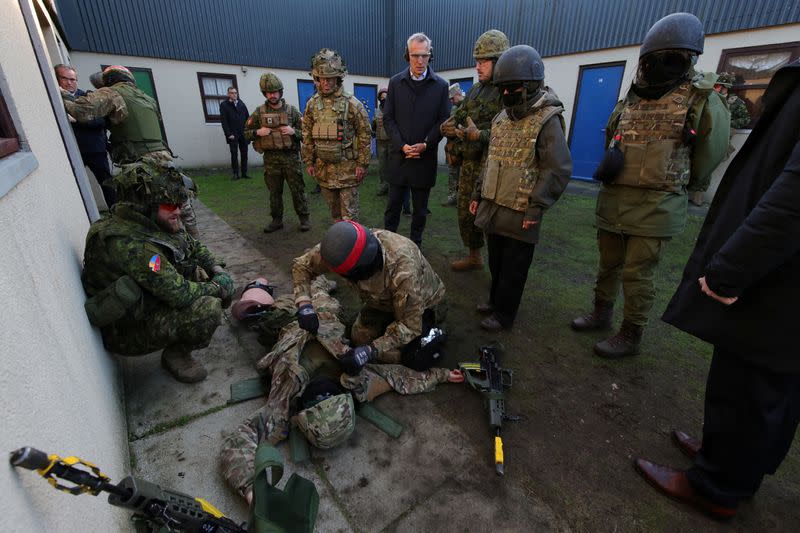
(59, 390)
(196, 142)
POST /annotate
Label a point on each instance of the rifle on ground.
(171, 510)
(488, 378)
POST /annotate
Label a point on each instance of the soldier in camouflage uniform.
(305, 367)
(470, 125)
(274, 130)
(402, 295)
(336, 137)
(135, 124)
(382, 141)
(140, 272)
(452, 149)
(665, 137)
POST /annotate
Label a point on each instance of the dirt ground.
(583, 420)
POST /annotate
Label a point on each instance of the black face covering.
(363, 272)
(512, 99)
(660, 72)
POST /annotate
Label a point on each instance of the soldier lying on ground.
(306, 371)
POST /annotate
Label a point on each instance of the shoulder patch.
(155, 263)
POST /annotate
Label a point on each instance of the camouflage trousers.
(630, 260)
(471, 235)
(452, 181)
(285, 168)
(383, 161)
(343, 203)
(187, 329)
(372, 323)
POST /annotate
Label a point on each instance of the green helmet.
(328, 423)
(328, 63)
(148, 184)
(270, 83)
(490, 45)
(726, 78)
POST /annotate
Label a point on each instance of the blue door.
(367, 95)
(598, 91)
(305, 90)
(464, 83)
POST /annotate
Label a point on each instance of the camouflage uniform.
(384, 146)
(296, 358)
(335, 166)
(134, 123)
(280, 164)
(453, 151)
(740, 116)
(395, 298)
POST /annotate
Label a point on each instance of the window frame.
(9, 138)
(214, 119)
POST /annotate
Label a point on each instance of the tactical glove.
(448, 128)
(224, 282)
(307, 318)
(471, 132)
(355, 359)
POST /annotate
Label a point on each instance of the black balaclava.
(519, 105)
(660, 72)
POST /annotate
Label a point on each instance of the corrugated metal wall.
(370, 34)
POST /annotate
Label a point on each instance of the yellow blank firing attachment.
(71, 461)
(210, 509)
(498, 454)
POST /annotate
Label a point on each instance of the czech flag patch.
(155, 263)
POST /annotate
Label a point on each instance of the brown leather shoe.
(484, 308)
(689, 445)
(675, 484)
(492, 325)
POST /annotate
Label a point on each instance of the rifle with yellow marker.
(163, 508)
(488, 378)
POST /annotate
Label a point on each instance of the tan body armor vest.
(274, 119)
(380, 130)
(651, 137)
(332, 133)
(512, 169)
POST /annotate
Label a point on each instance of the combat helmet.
(726, 78)
(329, 422)
(490, 45)
(270, 83)
(147, 184)
(454, 90)
(350, 249)
(328, 63)
(519, 63)
(115, 74)
(675, 31)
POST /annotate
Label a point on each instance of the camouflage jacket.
(162, 264)
(253, 124)
(288, 364)
(740, 116)
(102, 103)
(341, 174)
(406, 287)
(481, 104)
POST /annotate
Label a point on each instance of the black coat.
(749, 245)
(91, 136)
(412, 114)
(233, 118)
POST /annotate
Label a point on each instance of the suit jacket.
(233, 118)
(412, 114)
(749, 245)
(91, 136)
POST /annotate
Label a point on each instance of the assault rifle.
(164, 508)
(492, 381)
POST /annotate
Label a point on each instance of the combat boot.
(305, 225)
(597, 319)
(182, 365)
(275, 225)
(625, 343)
(451, 201)
(473, 261)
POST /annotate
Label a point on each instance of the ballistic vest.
(274, 119)
(140, 132)
(651, 136)
(332, 133)
(380, 130)
(512, 169)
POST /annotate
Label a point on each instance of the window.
(213, 91)
(9, 140)
(753, 68)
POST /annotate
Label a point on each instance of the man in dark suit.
(234, 115)
(91, 136)
(739, 292)
(416, 104)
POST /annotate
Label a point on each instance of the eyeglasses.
(170, 207)
(420, 56)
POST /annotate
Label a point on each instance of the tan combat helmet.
(328, 63)
(454, 90)
(270, 83)
(490, 45)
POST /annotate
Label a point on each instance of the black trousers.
(240, 144)
(509, 261)
(751, 416)
(394, 206)
(98, 164)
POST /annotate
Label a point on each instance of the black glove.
(355, 359)
(224, 281)
(308, 319)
